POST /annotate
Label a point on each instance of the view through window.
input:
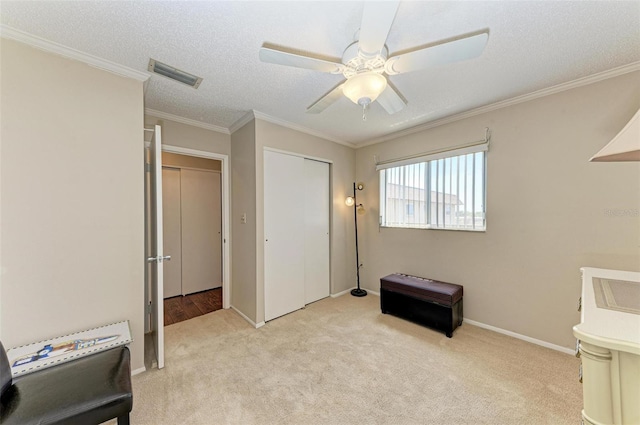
(442, 193)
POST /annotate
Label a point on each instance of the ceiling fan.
(365, 61)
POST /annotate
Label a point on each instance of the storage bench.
(425, 301)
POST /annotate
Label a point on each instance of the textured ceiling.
(532, 45)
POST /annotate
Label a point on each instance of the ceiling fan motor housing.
(356, 62)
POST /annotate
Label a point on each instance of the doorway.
(153, 328)
(192, 234)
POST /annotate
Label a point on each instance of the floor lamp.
(351, 202)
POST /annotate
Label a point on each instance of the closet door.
(316, 230)
(171, 231)
(200, 230)
(284, 265)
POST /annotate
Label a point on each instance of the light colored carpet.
(340, 361)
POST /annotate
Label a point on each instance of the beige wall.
(72, 198)
(547, 210)
(343, 273)
(190, 137)
(247, 145)
(243, 236)
(183, 161)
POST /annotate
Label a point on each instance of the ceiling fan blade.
(467, 46)
(280, 56)
(391, 99)
(327, 100)
(377, 18)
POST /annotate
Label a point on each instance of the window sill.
(436, 228)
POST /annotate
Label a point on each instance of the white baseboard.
(244, 316)
(520, 336)
(138, 371)
(339, 294)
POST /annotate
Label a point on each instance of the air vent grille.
(174, 73)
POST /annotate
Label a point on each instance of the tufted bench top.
(425, 289)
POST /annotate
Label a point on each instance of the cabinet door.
(200, 230)
(171, 231)
(316, 230)
(284, 265)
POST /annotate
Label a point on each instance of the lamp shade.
(625, 146)
(349, 201)
(364, 88)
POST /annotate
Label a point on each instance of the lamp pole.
(357, 292)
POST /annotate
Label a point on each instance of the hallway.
(180, 308)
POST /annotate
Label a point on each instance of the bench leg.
(123, 420)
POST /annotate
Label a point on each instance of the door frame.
(225, 186)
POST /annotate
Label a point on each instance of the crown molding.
(265, 117)
(69, 53)
(241, 122)
(615, 72)
(188, 121)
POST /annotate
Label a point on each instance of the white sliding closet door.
(171, 225)
(284, 267)
(201, 230)
(316, 230)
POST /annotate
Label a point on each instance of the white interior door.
(171, 230)
(284, 234)
(157, 256)
(316, 230)
(201, 230)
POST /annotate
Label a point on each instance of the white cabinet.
(609, 345)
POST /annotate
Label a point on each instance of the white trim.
(187, 121)
(493, 328)
(339, 294)
(69, 53)
(138, 371)
(226, 213)
(246, 118)
(521, 337)
(268, 118)
(299, 155)
(244, 316)
(615, 72)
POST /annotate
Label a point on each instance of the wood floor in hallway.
(180, 308)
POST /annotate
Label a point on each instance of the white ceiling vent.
(174, 73)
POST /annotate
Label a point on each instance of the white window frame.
(430, 158)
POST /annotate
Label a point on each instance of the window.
(410, 209)
(445, 190)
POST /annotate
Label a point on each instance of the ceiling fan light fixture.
(362, 89)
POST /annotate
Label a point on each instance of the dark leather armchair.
(87, 390)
